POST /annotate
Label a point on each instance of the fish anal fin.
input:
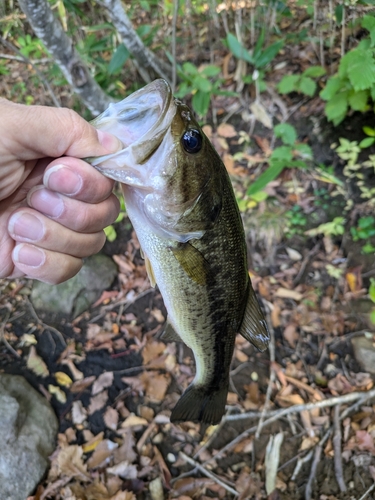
(192, 261)
(200, 404)
(150, 271)
(169, 334)
(254, 326)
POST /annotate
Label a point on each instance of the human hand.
(52, 211)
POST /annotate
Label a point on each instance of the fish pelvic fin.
(200, 404)
(150, 271)
(193, 262)
(254, 326)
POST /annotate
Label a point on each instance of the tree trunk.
(49, 30)
(147, 63)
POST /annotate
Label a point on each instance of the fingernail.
(45, 201)
(25, 226)
(63, 179)
(28, 255)
(110, 142)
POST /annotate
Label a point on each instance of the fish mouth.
(139, 122)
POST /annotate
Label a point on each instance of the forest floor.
(298, 422)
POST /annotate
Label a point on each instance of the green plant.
(301, 83)
(364, 230)
(110, 231)
(296, 220)
(333, 228)
(371, 292)
(202, 83)
(290, 155)
(354, 84)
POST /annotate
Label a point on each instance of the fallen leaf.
(102, 454)
(133, 420)
(260, 114)
(226, 130)
(285, 293)
(97, 402)
(152, 350)
(58, 393)
(79, 414)
(156, 386)
(81, 385)
(93, 443)
(124, 469)
(103, 381)
(69, 461)
(110, 418)
(36, 364)
(63, 379)
(291, 335)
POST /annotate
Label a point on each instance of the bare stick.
(207, 473)
(326, 403)
(314, 465)
(272, 375)
(26, 60)
(366, 493)
(4, 340)
(337, 449)
(44, 325)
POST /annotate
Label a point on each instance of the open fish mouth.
(139, 122)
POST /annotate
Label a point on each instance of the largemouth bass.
(180, 201)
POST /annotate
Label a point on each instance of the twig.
(43, 60)
(271, 348)
(4, 340)
(126, 302)
(336, 441)
(44, 325)
(207, 473)
(25, 59)
(299, 464)
(276, 414)
(366, 493)
(314, 465)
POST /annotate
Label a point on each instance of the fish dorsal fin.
(150, 271)
(193, 262)
(254, 326)
(169, 334)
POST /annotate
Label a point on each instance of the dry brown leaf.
(152, 350)
(285, 293)
(103, 381)
(156, 386)
(291, 335)
(77, 375)
(126, 450)
(226, 130)
(57, 392)
(135, 383)
(102, 454)
(111, 418)
(158, 315)
(123, 495)
(260, 113)
(92, 442)
(63, 379)
(97, 402)
(69, 461)
(79, 413)
(81, 385)
(124, 469)
(133, 421)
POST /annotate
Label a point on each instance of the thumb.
(34, 132)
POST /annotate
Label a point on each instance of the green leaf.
(336, 107)
(286, 132)
(339, 14)
(202, 84)
(307, 86)
(237, 49)
(368, 22)
(369, 131)
(282, 153)
(358, 100)
(201, 102)
(372, 316)
(110, 233)
(268, 54)
(371, 290)
(118, 59)
(258, 47)
(314, 71)
(304, 151)
(288, 84)
(267, 176)
(366, 143)
(334, 85)
(359, 66)
(211, 70)
(190, 69)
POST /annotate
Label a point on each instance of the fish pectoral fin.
(169, 334)
(150, 271)
(254, 326)
(193, 262)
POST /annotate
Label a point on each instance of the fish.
(180, 200)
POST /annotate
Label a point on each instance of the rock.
(364, 353)
(77, 294)
(28, 430)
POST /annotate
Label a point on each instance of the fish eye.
(192, 141)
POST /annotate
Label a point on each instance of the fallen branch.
(207, 473)
(314, 465)
(366, 493)
(336, 441)
(3, 339)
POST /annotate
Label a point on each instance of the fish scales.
(183, 209)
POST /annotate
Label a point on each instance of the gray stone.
(77, 294)
(28, 431)
(364, 353)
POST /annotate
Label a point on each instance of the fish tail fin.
(200, 404)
